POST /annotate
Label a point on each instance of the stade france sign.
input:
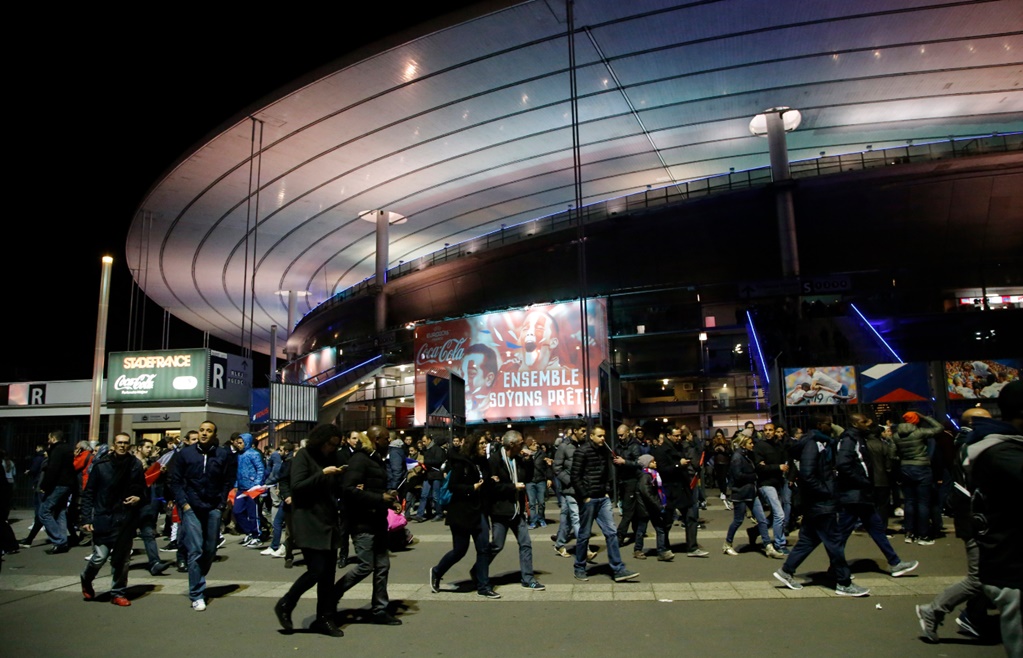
(157, 376)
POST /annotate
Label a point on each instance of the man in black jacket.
(591, 479)
(433, 459)
(110, 512)
(508, 506)
(855, 487)
(366, 500)
(627, 469)
(817, 481)
(675, 464)
(58, 485)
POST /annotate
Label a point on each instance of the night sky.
(99, 110)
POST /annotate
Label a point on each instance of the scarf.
(655, 477)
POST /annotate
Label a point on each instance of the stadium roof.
(466, 126)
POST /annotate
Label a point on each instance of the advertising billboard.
(976, 380)
(306, 369)
(819, 385)
(894, 382)
(517, 364)
(157, 376)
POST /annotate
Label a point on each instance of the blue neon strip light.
(883, 341)
(760, 353)
(953, 421)
(342, 374)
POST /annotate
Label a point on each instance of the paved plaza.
(714, 606)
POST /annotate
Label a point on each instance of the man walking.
(57, 486)
(508, 506)
(110, 512)
(202, 476)
(366, 500)
(591, 477)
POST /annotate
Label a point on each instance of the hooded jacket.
(855, 482)
(817, 473)
(251, 469)
(995, 464)
(911, 441)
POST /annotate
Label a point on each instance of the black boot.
(283, 611)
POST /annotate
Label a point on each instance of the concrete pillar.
(785, 213)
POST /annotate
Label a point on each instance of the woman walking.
(744, 494)
(469, 482)
(315, 487)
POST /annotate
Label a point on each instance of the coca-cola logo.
(135, 385)
(450, 350)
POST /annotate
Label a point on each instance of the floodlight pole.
(99, 354)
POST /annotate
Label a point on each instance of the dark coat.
(202, 477)
(773, 454)
(591, 471)
(466, 507)
(365, 508)
(433, 460)
(650, 502)
(103, 499)
(562, 466)
(314, 516)
(503, 494)
(60, 468)
(675, 476)
(855, 482)
(630, 452)
(817, 473)
(744, 477)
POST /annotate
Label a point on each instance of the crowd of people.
(342, 500)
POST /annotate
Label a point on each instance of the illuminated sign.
(517, 364)
(820, 385)
(158, 375)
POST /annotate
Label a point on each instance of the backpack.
(444, 492)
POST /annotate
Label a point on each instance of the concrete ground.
(715, 606)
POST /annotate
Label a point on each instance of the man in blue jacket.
(820, 525)
(251, 471)
(203, 475)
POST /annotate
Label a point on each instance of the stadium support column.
(99, 356)
(383, 229)
(773, 124)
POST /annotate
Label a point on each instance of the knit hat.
(644, 460)
(911, 417)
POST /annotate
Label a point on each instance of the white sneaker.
(280, 552)
(199, 605)
(267, 551)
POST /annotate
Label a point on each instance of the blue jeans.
(774, 500)
(431, 489)
(275, 540)
(871, 520)
(537, 493)
(201, 534)
(916, 487)
(599, 510)
(55, 523)
(372, 558)
(814, 531)
(120, 560)
(739, 515)
(517, 525)
(460, 546)
(568, 521)
(659, 530)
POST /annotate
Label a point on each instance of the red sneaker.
(88, 593)
(121, 601)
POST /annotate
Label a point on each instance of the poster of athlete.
(822, 385)
(519, 364)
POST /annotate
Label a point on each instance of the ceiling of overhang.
(469, 127)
